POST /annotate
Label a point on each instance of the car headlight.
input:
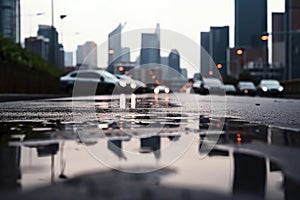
(167, 90)
(265, 89)
(132, 85)
(280, 89)
(122, 83)
(156, 91)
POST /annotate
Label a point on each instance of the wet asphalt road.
(268, 111)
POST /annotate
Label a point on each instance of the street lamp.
(61, 27)
(241, 61)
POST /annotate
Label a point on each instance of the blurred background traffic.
(262, 59)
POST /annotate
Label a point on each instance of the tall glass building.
(10, 25)
(250, 22)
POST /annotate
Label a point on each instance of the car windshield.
(246, 84)
(270, 83)
(229, 87)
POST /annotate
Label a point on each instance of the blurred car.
(102, 82)
(270, 88)
(214, 86)
(246, 88)
(230, 89)
(130, 85)
(198, 87)
(161, 89)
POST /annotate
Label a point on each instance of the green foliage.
(25, 72)
(14, 54)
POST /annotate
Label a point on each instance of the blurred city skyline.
(93, 20)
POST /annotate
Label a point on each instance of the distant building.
(219, 43)
(174, 60)
(214, 45)
(79, 55)
(125, 57)
(292, 38)
(54, 47)
(205, 62)
(114, 47)
(69, 59)
(184, 73)
(150, 52)
(39, 45)
(86, 55)
(250, 22)
(278, 43)
(10, 25)
(164, 61)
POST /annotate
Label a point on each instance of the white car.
(89, 82)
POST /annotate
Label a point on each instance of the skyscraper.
(86, 55)
(278, 45)
(214, 45)
(250, 22)
(10, 19)
(174, 60)
(205, 52)
(292, 38)
(38, 45)
(150, 52)
(219, 43)
(114, 47)
(68, 59)
(51, 33)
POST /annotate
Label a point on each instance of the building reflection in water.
(250, 171)
(10, 172)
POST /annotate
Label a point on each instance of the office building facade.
(292, 38)
(10, 24)
(38, 45)
(219, 43)
(250, 22)
(174, 60)
(51, 33)
(114, 47)
(205, 52)
(86, 55)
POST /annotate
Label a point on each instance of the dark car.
(230, 89)
(198, 87)
(214, 86)
(270, 88)
(246, 88)
(89, 82)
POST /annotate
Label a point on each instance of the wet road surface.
(184, 144)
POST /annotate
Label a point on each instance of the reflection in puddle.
(44, 152)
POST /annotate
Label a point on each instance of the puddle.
(247, 159)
